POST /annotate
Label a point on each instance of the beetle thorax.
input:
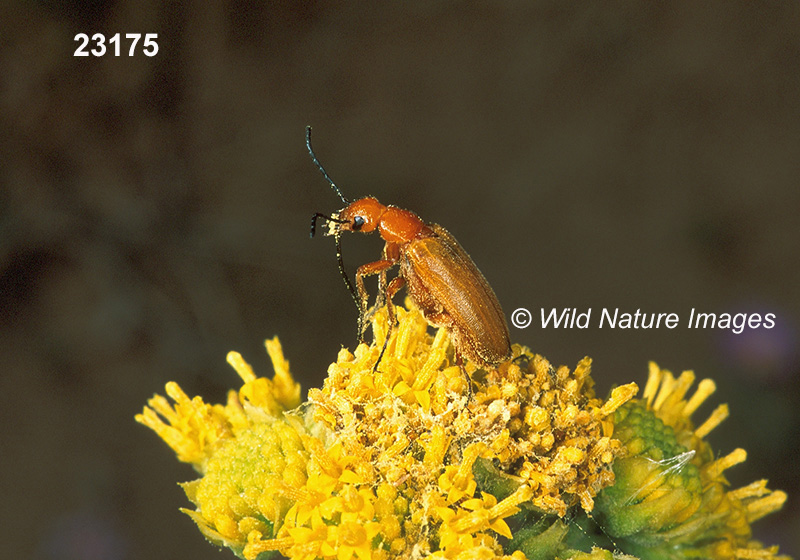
(400, 226)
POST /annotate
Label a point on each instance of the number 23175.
(101, 46)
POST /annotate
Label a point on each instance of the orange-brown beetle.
(440, 276)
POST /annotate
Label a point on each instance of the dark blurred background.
(155, 213)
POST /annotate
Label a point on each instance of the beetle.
(439, 275)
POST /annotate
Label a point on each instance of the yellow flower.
(670, 494)
(250, 454)
(407, 461)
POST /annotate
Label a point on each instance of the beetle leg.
(380, 299)
(460, 364)
(389, 292)
(369, 269)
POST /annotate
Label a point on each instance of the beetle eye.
(358, 221)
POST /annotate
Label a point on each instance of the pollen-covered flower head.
(415, 456)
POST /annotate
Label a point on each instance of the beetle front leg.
(380, 299)
(369, 269)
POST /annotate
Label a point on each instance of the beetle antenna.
(322, 169)
(349, 284)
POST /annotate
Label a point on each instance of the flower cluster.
(671, 494)
(415, 457)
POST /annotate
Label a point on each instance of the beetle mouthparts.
(333, 226)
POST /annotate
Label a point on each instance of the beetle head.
(362, 216)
